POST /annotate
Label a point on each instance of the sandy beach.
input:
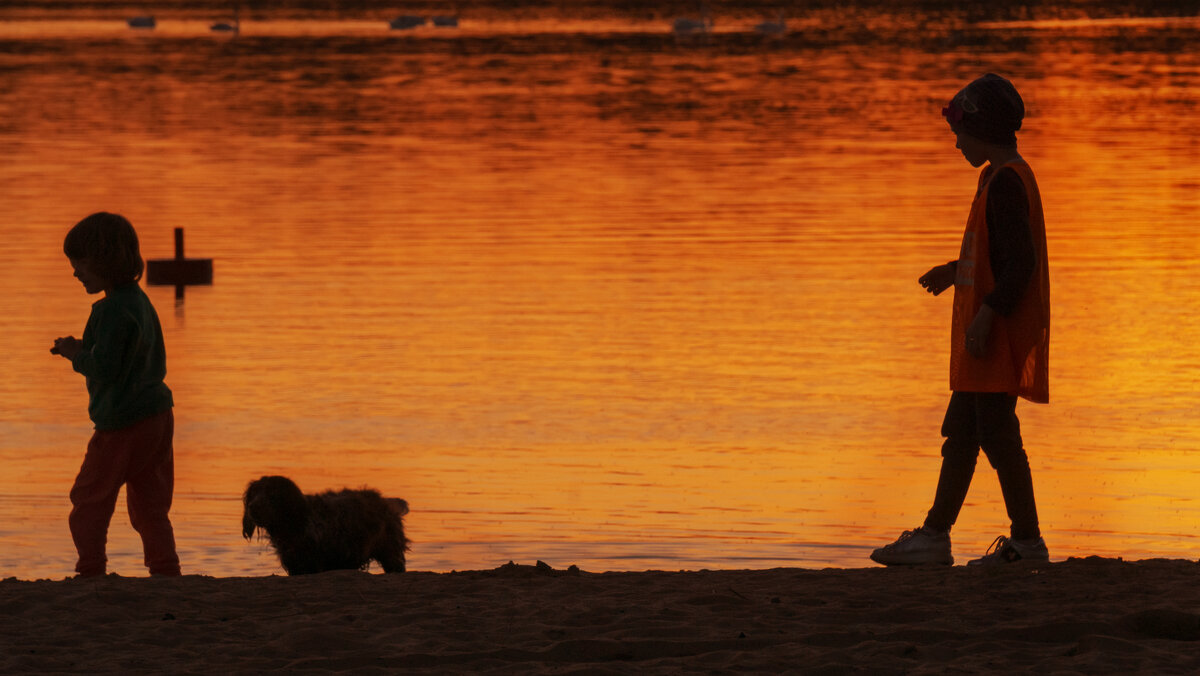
(1079, 616)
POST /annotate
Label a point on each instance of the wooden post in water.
(179, 271)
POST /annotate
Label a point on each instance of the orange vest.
(1018, 349)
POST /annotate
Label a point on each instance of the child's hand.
(938, 279)
(67, 347)
(977, 333)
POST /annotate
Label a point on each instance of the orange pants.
(141, 458)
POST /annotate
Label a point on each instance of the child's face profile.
(974, 150)
(92, 283)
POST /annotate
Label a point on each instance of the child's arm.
(113, 339)
(980, 329)
(1010, 242)
(1010, 253)
(940, 278)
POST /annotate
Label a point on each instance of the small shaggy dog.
(334, 530)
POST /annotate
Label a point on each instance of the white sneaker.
(1005, 550)
(914, 548)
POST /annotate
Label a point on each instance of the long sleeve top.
(123, 359)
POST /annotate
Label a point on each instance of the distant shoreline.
(580, 9)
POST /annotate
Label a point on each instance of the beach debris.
(539, 568)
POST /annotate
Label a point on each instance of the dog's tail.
(400, 507)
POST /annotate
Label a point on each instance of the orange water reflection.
(617, 301)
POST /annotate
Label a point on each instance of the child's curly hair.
(109, 244)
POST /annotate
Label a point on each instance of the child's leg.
(94, 496)
(149, 490)
(959, 453)
(1000, 435)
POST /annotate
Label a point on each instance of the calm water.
(583, 292)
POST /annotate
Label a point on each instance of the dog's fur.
(334, 530)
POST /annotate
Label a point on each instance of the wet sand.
(1079, 616)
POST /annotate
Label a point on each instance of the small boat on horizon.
(776, 27)
(142, 22)
(690, 26)
(226, 27)
(406, 22)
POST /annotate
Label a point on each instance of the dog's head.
(272, 503)
(400, 507)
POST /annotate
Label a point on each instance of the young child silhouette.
(1000, 332)
(123, 360)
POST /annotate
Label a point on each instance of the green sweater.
(124, 360)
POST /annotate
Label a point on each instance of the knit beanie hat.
(990, 109)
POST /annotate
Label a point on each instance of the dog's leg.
(389, 551)
(391, 558)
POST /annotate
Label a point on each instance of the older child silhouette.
(1000, 333)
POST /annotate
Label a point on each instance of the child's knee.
(149, 521)
(960, 449)
(1006, 455)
